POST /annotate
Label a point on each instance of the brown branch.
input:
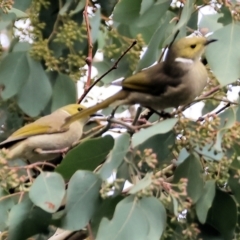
(115, 66)
(90, 233)
(215, 89)
(90, 47)
(33, 165)
(215, 113)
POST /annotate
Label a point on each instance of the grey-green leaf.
(64, 92)
(192, 170)
(82, 200)
(86, 156)
(161, 127)
(47, 191)
(205, 201)
(14, 72)
(37, 91)
(226, 69)
(116, 156)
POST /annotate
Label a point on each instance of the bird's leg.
(41, 151)
(160, 114)
(139, 110)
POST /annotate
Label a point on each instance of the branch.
(90, 47)
(115, 66)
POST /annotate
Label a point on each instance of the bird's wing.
(154, 80)
(44, 125)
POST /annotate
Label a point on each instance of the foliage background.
(185, 173)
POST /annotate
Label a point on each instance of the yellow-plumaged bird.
(176, 81)
(43, 139)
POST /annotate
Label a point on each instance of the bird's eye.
(80, 109)
(193, 46)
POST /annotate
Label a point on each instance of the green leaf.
(14, 71)
(6, 203)
(25, 220)
(47, 191)
(234, 184)
(6, 19)
(210, 23)
(185, 15)
(79, 7)
(161, 127)
(65, 7)
(127, 223)
(18, 13)
(145, 5)
(192, 170)
(82, 200)
(223, 214)
(36, 92)
(107, 6)
(225, 69)
(86, 156)
(21, 47)
(134, 219)
(156, 214)
(95, 25)
(153, 14)
(22, 5)
(116, 156)
(183, 155)
(106, 209)
(205, 201)
(142, 184)
(64, 92)
(228, 119)
(152, 54)
(127, 11)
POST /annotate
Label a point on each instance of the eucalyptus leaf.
(223, 214)
(64, 92)
(86, 156)
(25, 220)
(160, 127)
(225, 69)
(205, 201)
(191, 169)
(116, 156)
(47, 191)
(82, 200)
(13, 78)
(36, 92)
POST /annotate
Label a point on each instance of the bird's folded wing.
(153, 81)
(29, 130)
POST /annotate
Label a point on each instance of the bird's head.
(73, 108)
(190, 48)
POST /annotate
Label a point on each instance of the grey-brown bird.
(176, 81)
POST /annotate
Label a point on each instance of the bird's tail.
(89, 111)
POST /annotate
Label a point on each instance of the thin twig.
(90, 47)
(90, 234)
(115, 66)
(33, 165)
(214, 113)
(210, 92)
(129, 127)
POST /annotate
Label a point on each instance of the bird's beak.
(210, 41)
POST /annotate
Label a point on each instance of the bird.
(43, 139)
(176, 81)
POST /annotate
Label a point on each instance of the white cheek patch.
(184, 60)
